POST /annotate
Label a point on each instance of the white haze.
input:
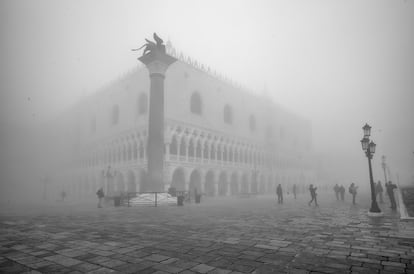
(339, 64)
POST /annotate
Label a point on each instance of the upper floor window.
(142, 104)
(93, 124)
(115, 114)
(228, 114)
(252, 123)
(269, 132)
(282, 132)
(196, 104)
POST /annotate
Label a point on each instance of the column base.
(375, 214)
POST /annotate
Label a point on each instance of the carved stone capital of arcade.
(157, 62)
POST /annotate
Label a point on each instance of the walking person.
(294, 190)
(378, 191)
(313, 194)
(336, 189)
(390, 191)
(342, 192)
(279, 193)
(353, 191)
(100, 195)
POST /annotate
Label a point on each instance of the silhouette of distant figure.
(63, 195)
(294, 191)
(342, 192)
(353, 191)
(100, 195)
(390, 191)
(313, 194)
(379, 190)
(279, 193)
(336, 189)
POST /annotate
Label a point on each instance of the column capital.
(157, 62)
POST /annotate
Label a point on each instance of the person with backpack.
(390, 191)
(336, 190)
(279, 193)
(378, 191)
(342, 192)
(353, 190)
(100, 195)
(313, 194)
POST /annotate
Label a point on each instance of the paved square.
(220, 235)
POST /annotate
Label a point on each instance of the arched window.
(219, 152)
(196, 104)
(124, 154)
(142, 104)
(228, 115)
(141, 150)
(212, 152)
(191, 148)
(198, 150)
(129, 152)
(282, 132)
(252, 123)
(205, 153)
(174, 146)
(225, 153)
(93, 124)
(269, 132)
(183, 148)
(115, 114)
(119, 154)
(135, 151)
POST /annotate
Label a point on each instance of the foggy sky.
(339, 64)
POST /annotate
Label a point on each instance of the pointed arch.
(183, 147)
(174, 146)
(142, 104)
(223, 184)
(198, 149)
(209, 187)
(196, 105)
(178, 179)
(234, 184)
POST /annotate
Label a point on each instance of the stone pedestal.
(157, 63)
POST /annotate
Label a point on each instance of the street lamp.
(369, 147)
(384, 166)
(255, 177)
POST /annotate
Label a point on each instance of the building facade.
(219, 138)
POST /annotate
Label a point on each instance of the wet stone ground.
(220, 235)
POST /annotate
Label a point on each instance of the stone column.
(157, 63)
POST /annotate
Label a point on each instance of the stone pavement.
(220, 235)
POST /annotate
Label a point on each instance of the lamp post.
(255, 177)
(369, 147)
(384, 166)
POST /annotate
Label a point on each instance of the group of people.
(312, 189)
(389, 186)
(340, 192)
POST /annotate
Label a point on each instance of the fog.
(339, 64)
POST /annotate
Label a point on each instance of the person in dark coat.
(390, 191)
(279, 193)
(336, 190)
(294, 190)
(313, 194)
(100, 195)
(378, 191)
(342, 192)
(353, 191)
